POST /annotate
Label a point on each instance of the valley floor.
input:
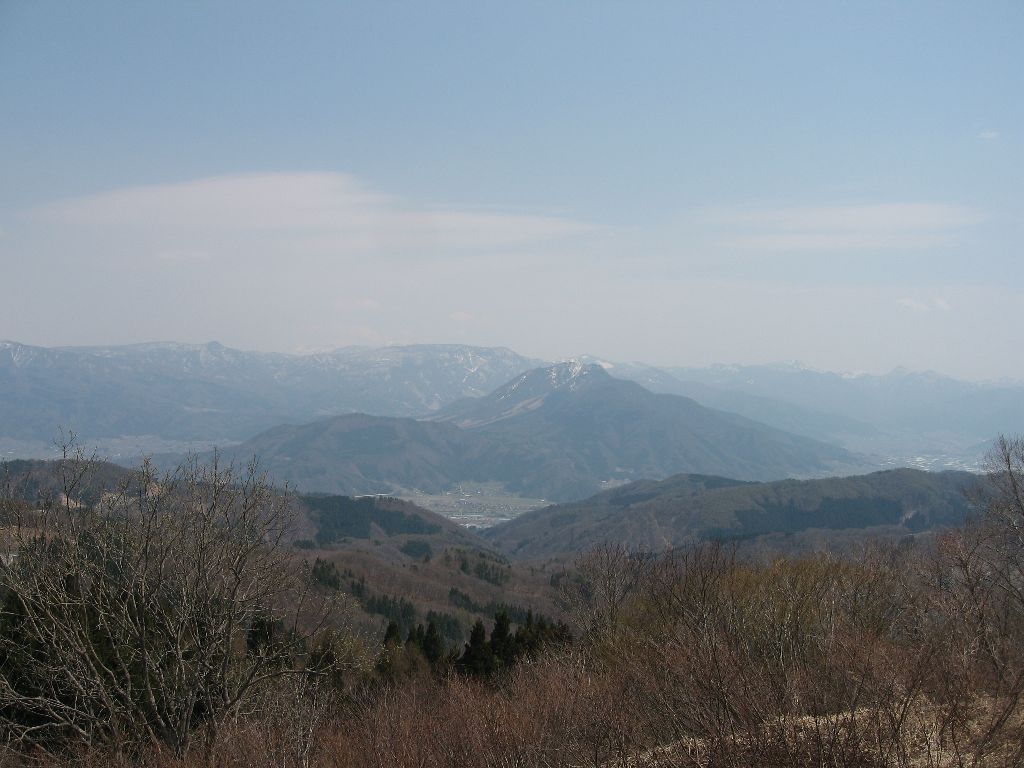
(477, 505)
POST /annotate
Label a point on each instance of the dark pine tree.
(416, 637)
(477, 658)
(433, 645)
(391, 635)
(502, 644)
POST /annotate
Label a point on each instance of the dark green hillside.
(661, 515)
(340, 516)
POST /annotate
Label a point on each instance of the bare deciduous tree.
(607, 578)
(162, 609)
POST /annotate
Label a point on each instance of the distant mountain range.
(211, 392)
(164, 397)
(560, 432)
(899, 414)
(655, 516)
(788, 415)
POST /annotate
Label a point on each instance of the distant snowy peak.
(528, 391)
(569, 375)
(591, 360)
(16, 355)
(478, 369)
(168, 379)
(13, 353)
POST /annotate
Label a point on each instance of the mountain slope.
(612, 429)
(653, 516)
(781, 414)
(361, 454)
(560, 433)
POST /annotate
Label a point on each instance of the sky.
(679, 183)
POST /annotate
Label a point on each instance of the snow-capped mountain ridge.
(210, 391)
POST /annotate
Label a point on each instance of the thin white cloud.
(934, 304)
(896, 226)
(885, 217)
(183, 256)
(291, 214)
(988, 135)
(914, 305)
(360, 303)
(839, 241)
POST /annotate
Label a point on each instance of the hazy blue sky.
(673, 182)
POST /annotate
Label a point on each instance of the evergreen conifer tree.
(391, 635)
(416, 637)
(477, 658)
(433, 644)
(502, 644)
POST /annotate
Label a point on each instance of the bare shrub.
(165, 608)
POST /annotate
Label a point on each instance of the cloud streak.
(934, 304)
(292, 214)
(896, 226)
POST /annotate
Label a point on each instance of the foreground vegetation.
(902, 656)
